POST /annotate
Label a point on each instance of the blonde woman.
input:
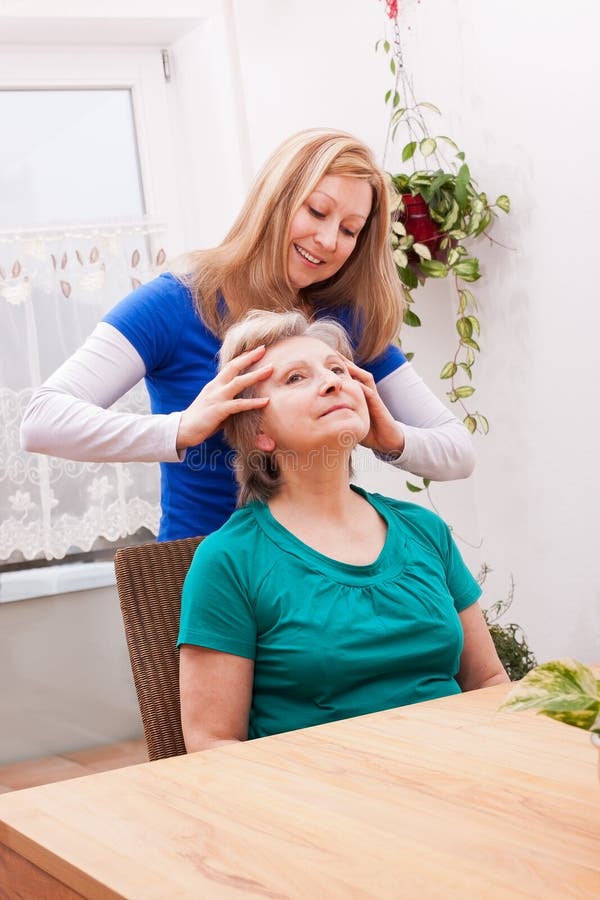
(312, 235)
(318, 601)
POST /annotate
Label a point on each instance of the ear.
(264, 442)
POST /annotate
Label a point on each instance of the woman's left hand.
(385, 434)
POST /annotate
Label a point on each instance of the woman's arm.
(480, 665)
(215, 695)
(68, 415)
(436, 444)
(412, 429)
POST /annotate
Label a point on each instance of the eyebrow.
(286, 367)
(333, 200)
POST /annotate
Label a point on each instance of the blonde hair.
(252, 259)
(255, 470)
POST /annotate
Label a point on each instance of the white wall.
(516, 84)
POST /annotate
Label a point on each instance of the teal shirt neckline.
(390, 562)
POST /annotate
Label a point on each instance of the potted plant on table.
(563, 689)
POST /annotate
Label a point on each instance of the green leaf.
(411, 318)
(465, 390)
(432, 268)
(469, 297)
(427, 146)
(443, 137)
(466, 369)
(563, 689)
(396, 100)
(464, 327)
(423, 250)
(426, 482)
(471, 343)
(399, 228)
(451, 218)
(475, 323)
(397, 115)
(461, 155)
(392, 66)
(451, 396)
(409, 151)
(462, 301)
(388, 94)
(463, 178)
(453, 257)
(428, 106)
(400, 258)
(386, 46)
(471, 423)
(408, 277)
(504, 203)
(413, 487)
(449, 370)
(483, 422)
(468, 269)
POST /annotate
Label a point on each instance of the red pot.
(418, 222)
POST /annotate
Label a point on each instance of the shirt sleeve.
(436, 444)
(216, 608)
(68, 416)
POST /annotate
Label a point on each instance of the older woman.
(317, 601)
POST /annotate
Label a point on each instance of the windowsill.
(51, 580)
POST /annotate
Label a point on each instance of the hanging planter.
(418, 222)
(438, 209)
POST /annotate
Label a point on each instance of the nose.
(331, 383)
(326, 234)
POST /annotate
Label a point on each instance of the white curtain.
(54, 287)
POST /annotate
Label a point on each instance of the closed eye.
(349, 233)
(315, 212)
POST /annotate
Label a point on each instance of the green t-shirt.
(331, 640)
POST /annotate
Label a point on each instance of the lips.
(313, 260)
(336, 408)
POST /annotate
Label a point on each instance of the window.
(89, 210)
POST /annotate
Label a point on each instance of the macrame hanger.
(402, 87)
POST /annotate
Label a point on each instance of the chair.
(149, 582)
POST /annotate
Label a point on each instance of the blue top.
(180, 354)
(331, 640)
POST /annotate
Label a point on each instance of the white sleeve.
(437, 445)
(68, 415)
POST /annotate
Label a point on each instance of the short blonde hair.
(252, 259)
(255, 470)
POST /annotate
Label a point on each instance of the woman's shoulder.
(157, 297)
(231, 541)
(411, 515)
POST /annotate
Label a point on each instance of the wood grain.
(443, 799)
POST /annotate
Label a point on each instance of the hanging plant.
(437, 212)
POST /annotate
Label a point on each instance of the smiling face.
(324, 231)
(314, 402)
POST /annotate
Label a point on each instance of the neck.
(316, 487)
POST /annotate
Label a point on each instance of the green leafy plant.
(509, 639)
(458, 212)
(563, 689)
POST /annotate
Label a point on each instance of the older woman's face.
(324, 231)
(314, 402)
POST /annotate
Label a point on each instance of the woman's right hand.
(219, 399)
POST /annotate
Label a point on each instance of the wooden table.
(443, 799)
